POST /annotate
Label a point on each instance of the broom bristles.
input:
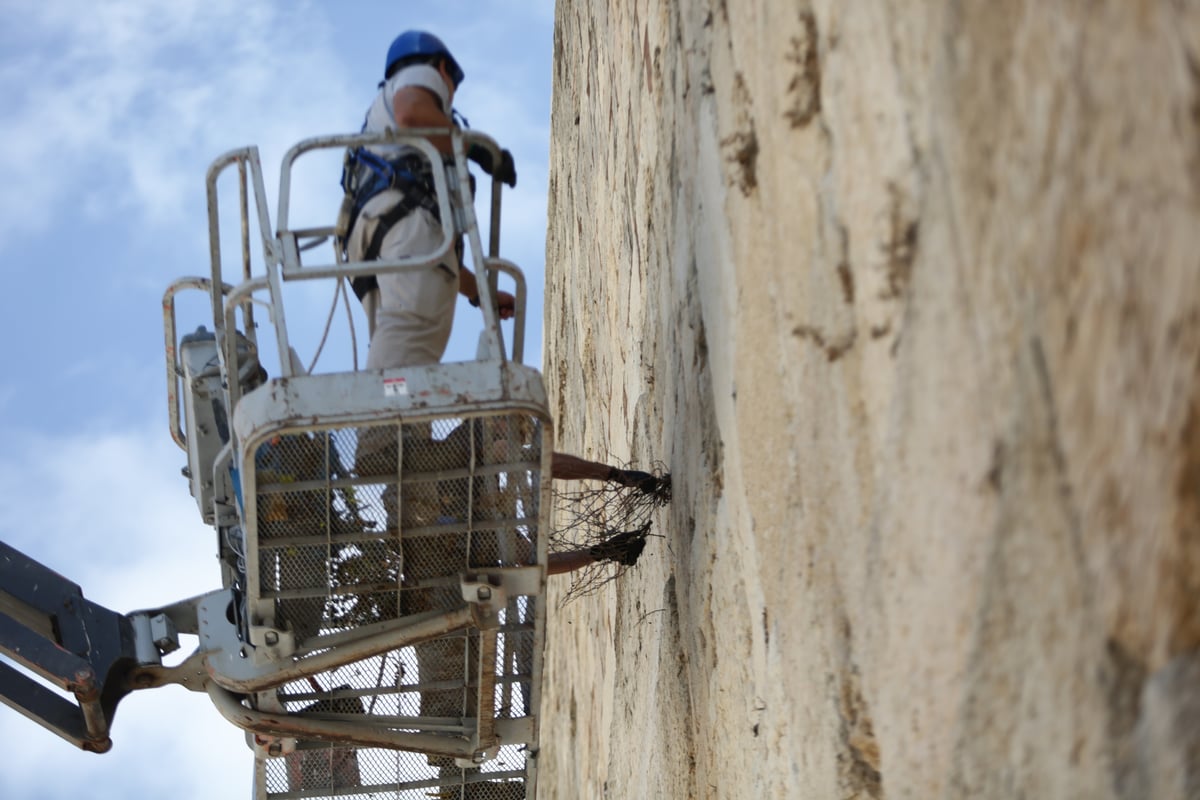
(611, 521)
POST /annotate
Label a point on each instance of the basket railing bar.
(258, 608)
(303, 593)
(244, 202)
(226, 341)
(328, 508)
(425, 476)
(496, 264)
(472, 465)
(410, 632)
(491, 278)
(492, 334)
(416, 138)
(170, 335)
(339, 638)
(423, 532)
(242, 297)
(402, 565)
(485, 695)
(275, 724)
(380, 691)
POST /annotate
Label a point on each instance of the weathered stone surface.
(908, 297)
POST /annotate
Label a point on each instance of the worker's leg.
(416, 308)
(370, 304)
(411, 313)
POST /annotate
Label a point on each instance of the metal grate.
(320, 771)
(343, 541)
(360, 526)
(392, 689)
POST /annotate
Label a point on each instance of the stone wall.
(908, 297)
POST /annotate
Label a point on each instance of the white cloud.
(167, 743)
(123, 112)
(112, 513)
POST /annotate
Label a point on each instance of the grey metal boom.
(48, 626)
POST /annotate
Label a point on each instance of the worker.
(410, 314)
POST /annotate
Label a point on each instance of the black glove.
(623, 548)
(505, 171)
(644, 482)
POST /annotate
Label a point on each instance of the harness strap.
(409, 202)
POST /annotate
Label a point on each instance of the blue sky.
(111, 114)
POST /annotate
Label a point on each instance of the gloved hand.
(505, 171)
(506, 304)
(623, 548)
(644, 482)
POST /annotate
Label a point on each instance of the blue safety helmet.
(420, 43)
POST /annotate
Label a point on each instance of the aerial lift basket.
(381, 533)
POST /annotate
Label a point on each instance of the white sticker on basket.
(394, 386)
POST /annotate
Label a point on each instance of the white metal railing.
(282, 253)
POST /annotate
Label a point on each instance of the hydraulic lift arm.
(48, 626)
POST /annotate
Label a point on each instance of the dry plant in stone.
(611, 521)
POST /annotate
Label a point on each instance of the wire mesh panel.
(361, 526)
(357, 526)
(390, 690)
(332, 771)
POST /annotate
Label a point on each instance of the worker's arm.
(573, 468)
(418, 107)
(622, 548)
(506, 304)
(562, 563)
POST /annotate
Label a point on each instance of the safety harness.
(366, 174)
